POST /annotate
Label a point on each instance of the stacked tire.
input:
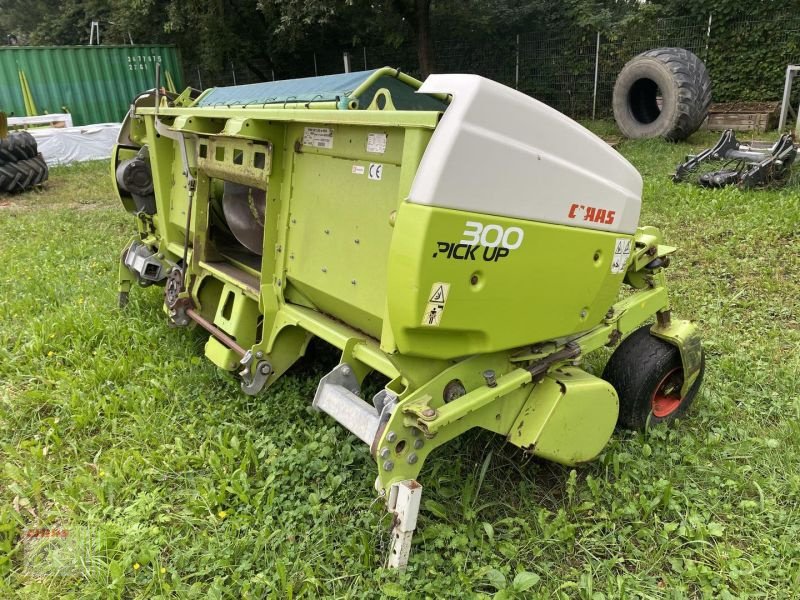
(21, 165)
(664, 92)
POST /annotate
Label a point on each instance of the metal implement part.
(745, 165)
(244, 209)
(350, 210)
(404, 498)
(144, 263)
(338, 395)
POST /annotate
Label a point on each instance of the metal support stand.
(404, 500)
(791, 71)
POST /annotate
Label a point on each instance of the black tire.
(644, 370)
(23, 174)
(19, 145)
(679, 77)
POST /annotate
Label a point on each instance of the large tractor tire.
(17, 146)
(23, 174)
(664, 92)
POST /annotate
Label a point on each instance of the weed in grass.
(114, 423)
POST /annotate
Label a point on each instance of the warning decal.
(622, 251)
(318, 137)
(436, 303)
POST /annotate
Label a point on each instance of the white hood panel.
(499, 152)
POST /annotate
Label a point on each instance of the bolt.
(265, 370)
(418, 443)
(324, 269)
(346, 370)
(388, 465)
(384, 453)
(327, 232)
(353, 281)
(610, 313)
(278, 283)
(357, 241)
(294, 221)
(259, 354)
(488, 375)
(584, 312)
(412, 458)
(428, 412)
(391, 437)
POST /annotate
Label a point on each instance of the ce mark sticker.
(375, 171)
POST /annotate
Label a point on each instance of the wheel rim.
(667, 396)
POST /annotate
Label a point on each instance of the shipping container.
(94, 83)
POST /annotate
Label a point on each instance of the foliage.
(113, 422)
(747, 60)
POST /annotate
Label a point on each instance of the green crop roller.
(458, 237)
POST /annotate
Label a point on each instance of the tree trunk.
(422, 16)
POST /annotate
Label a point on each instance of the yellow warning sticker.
(436, 303)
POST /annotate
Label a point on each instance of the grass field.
(174, 484)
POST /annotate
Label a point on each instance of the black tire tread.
(19, 145)
(23, 174)
(640, 361)
(692, 83)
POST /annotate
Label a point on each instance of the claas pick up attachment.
(457, 237)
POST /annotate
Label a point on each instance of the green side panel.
(557, 281)
(95, 83)
(339, 227)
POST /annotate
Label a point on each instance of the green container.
(95, 83)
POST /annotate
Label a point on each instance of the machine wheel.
(647, 373)
(675, 76)
(23, 174)
(17, 146)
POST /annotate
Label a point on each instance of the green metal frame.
(349, 262)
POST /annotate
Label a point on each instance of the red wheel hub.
(667, 397)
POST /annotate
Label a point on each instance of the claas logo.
(591, 213)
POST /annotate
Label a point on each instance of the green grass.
(112, 424)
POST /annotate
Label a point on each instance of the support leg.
(404, 504)
(125, 280)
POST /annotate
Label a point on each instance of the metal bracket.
(403, 502)
(339, 395)
(177, 302)
(685, 336)
(255, 373)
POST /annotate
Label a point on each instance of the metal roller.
(245, 208)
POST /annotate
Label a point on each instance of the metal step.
(338, 395)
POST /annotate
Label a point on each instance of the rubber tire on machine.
(643, 369)
(685, 89)
(23, 174)
(19, 145)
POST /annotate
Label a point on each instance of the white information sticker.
(376, 143)
(318, 137)
(375, 171)
(622, 251)
(436, 303)
(358, 169)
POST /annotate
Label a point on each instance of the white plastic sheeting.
(65, 145)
